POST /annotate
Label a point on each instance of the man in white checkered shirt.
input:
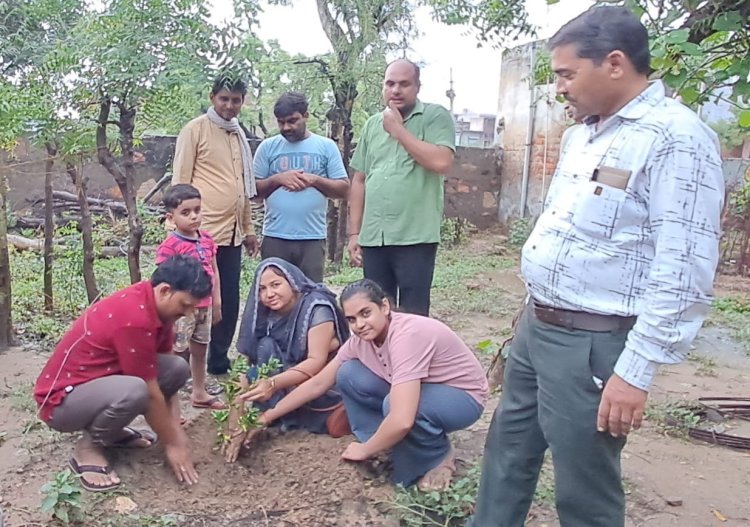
(619, 270)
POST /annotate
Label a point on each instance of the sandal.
(135, 435)
(214, 403)
(80, 470)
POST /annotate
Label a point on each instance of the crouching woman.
(406, 382)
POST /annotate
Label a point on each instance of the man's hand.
(293, 180)
(355, 251)
(355, 452)
(178, 457)
(393, 121)
(252, 246)
(621, 408)
(215, 312)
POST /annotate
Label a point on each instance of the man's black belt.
(581, 320)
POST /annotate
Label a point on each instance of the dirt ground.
(297, 479)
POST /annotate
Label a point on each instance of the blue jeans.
(442, 409)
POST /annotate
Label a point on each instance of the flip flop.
(80, 470)
(214, 403)
(134, 435)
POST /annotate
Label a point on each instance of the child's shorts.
(195, 327)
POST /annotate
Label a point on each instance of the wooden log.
(30, 244)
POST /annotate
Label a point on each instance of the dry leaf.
(124, 505)
(719, 516)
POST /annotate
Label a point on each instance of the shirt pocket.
(598, 209)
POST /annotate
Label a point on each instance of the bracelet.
(273, 384)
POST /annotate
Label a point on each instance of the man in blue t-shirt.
(295, 173)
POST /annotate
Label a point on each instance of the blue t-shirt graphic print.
(297, 215)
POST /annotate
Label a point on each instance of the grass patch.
(705, 365)
(733, 312)
(414, 508)
(673, 418)
(22, 398)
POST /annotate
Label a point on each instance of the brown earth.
(297, 479)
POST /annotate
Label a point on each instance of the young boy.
(193, 331)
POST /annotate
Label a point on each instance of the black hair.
(183, 273)
(414, 65)
(367, 287)
(179, 193)
(231, 83)
(601, 30)
(289, 103)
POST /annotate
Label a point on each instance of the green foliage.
(520, 230)
(673, 418)
(732, 304)
(62, 498)
(247, 416)
(455, 231)
(702, 52)
(415, 508)
(731, 133)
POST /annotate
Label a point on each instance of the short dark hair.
(367, 287)
(289, 103)
(183, 273)
(231, 83)
(179, 193)
(601, 30)
(414, 65)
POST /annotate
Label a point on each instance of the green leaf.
(678, 36)
(744, 118)
(49, 503)
(731, 21)
(689, 95)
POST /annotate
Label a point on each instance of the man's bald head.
(401, 85)
(405, 63)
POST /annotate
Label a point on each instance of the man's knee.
(174, 372)
(134, 399)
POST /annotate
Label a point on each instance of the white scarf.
(233, 126)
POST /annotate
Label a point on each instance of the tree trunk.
(342, 133)
(125, 179)
(87, 232)
(49, 226)
(6, 322)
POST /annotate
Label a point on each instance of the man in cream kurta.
(209, 155)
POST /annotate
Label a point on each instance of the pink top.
(422, 348)
(202, 249)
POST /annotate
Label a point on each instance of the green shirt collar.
(418, 109)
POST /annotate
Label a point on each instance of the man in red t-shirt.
(115, 363)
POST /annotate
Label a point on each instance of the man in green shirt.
(396, 197)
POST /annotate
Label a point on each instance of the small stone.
(674, 502)
(124, 505)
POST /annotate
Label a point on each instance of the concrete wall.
(517, 104)
(471, 188)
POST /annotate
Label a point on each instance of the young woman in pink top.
(406, 381)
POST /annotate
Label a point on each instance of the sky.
(476, 71)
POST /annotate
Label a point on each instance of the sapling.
(239, 419)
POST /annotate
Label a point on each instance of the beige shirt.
(210, 159)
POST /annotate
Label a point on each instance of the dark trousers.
(550, 400)
(308, 255)
(229, 262)
(404, 272)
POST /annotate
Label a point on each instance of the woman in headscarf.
(290, 318)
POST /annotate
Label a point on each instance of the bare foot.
(88, 454)
(439, 478)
